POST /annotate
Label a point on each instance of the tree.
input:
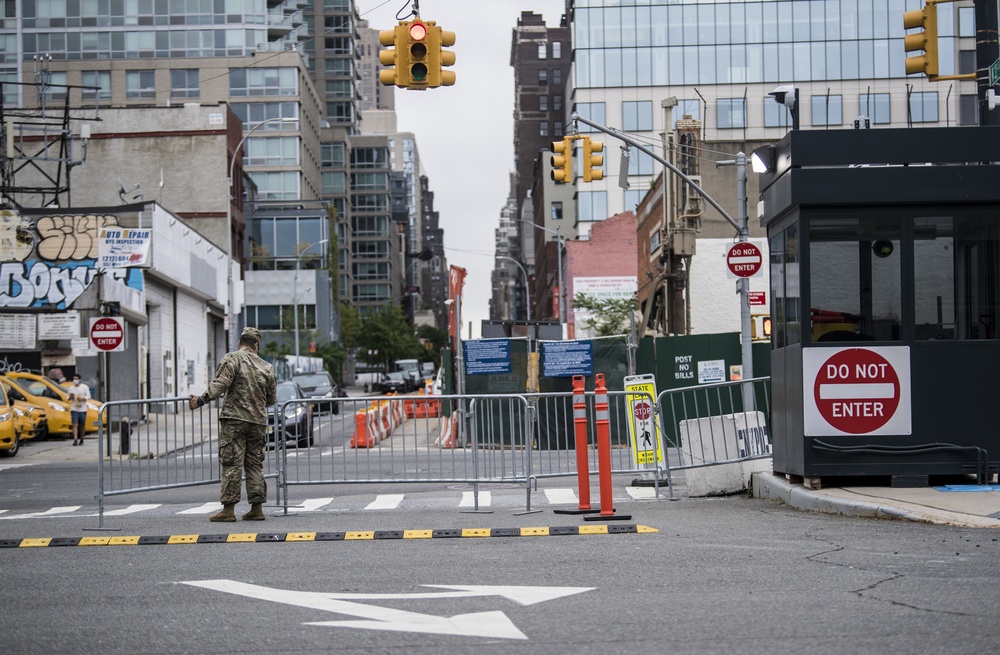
(608, 316)
(386, 336)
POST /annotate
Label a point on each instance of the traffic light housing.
(927, 40)
(562, 160)
(592, 163)
(437, 40)
(417, 56)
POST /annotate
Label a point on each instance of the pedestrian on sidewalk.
(249, 385)
(79, 394)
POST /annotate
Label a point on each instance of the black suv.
(320, 387)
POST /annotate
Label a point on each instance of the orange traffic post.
(582, 461)
(603, 428)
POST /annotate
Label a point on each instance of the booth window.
(855, 278)
(786, 328)
(956, 277)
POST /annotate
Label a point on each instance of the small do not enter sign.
(108, 334)
(744, 260)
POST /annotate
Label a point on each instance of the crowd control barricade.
(717, 433)
(372, 440)
(154, 444)
(555, 440)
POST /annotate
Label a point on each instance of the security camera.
(784, 95)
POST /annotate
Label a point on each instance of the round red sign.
(744, 259)
(857, 391)
(642, 410)
(107, 333)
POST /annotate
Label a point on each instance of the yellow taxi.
(10, 440)
(58, 418)
(93, 406)
(29, 417)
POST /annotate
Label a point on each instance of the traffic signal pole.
(987, 52)
(742, 230)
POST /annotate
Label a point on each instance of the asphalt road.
(719, 575)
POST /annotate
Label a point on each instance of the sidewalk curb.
(770, 487)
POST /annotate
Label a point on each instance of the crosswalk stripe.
(311, 504)
(49, 512)
(469, 499)
(207, 508)
(642, 493)
(561, 497)
(131, 509)
(386, 501)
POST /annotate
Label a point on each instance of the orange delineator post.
(581, 445)
(603, 429)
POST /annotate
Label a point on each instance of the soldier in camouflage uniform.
(249, 385)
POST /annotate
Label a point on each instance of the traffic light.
(927, 40)
(590, 160)
(438, 57)
(562, 161)
(765, 325)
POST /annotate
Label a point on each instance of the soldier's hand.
(193, 402)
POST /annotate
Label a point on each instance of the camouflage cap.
(252, 333)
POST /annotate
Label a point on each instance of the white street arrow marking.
(478, 624)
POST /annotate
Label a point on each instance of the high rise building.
(721, 59)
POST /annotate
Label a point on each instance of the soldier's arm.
(223, 379)
(272, 389)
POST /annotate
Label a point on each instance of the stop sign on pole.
(108, 333)
(856, 391)
(744, 260)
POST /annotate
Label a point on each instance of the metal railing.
(514, 438)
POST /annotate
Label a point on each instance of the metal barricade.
(718, 423)
(555, 437)
(376, 440)
(147, 445)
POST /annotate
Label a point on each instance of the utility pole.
(987, 53)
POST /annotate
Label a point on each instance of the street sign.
(856, 391)
(108, 334)
(644, 429)
(757, 298)
(994, 72)
(744, 260)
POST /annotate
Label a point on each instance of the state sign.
(856, 391)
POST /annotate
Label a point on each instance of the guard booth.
(885, 282)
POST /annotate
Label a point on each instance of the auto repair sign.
(856, 391)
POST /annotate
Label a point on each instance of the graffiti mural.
(71, 237)
(42, 284)
(49, 264)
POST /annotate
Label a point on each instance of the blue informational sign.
(563, 359)
(485, 356)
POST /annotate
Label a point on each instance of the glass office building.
(721, 58)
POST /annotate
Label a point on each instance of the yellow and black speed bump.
(374, 535)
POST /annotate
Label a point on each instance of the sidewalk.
(966, 506)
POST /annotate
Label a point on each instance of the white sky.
(465, 132)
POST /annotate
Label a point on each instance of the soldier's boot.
(227, 515)
(255, 513)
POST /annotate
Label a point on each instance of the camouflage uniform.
(249, 385)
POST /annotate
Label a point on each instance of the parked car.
(319, 386)
(57, 416)
(394, 382)
(93, 406)
(10, 439)
(297, 417)
(29, 417)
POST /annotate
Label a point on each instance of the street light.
(295, 292)
(527, 292)
(229, 223)
(561, 243)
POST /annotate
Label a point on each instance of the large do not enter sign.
(857, 391)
